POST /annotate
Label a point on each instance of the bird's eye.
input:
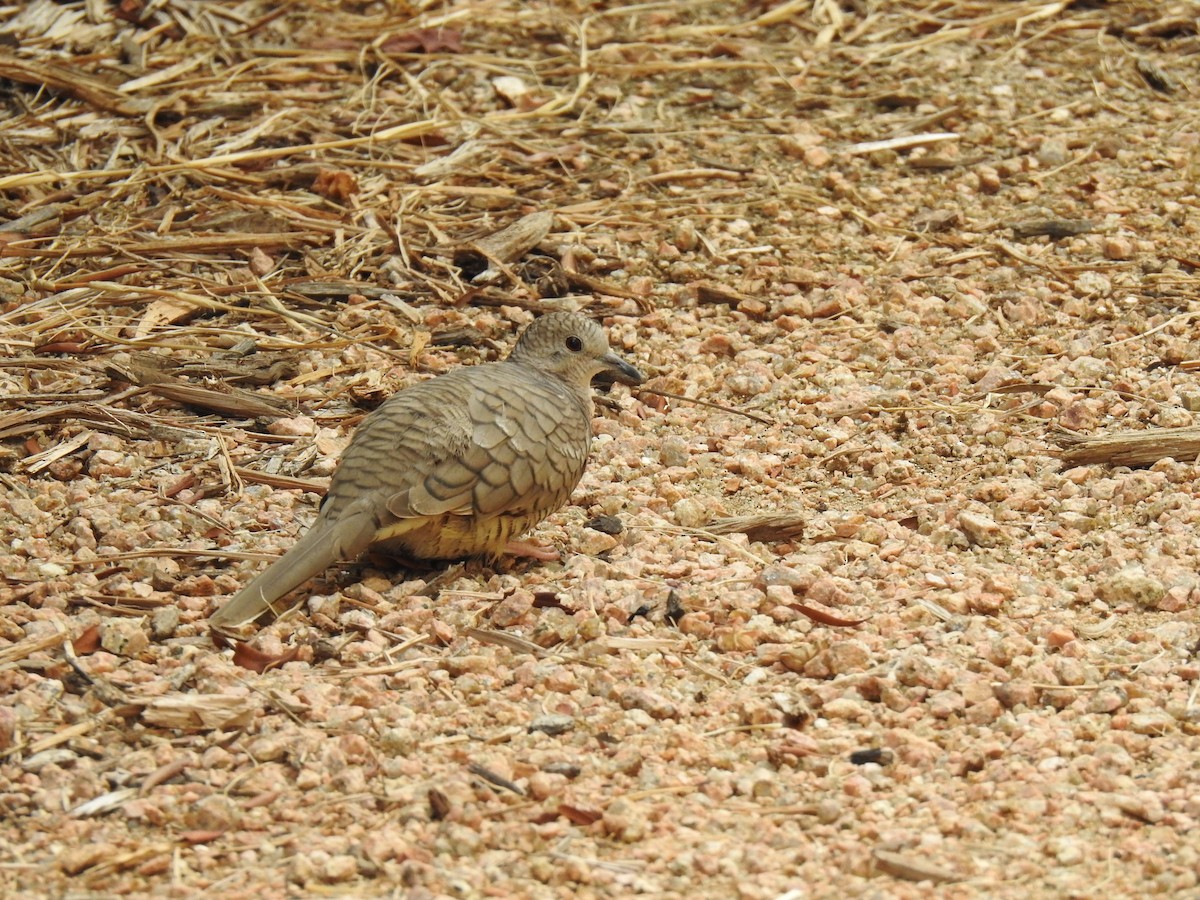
(574, 344)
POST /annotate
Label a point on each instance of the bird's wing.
(526, 444)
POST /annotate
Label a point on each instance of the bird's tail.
(325, 544)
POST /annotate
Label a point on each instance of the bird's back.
(458, 465)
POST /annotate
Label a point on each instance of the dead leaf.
(260, 262)
(425, 40)
(200, 837)
(420, 340)
(200, 711)
(88, 642)
(256, 661)
(818, 615)
(439, 805)
(163, 312)
(72, 348)
(912, 867)
(335, 184)
(577, 815)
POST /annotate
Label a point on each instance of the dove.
(456, 466)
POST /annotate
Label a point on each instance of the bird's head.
(572, 347)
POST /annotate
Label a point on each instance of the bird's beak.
(619, 370)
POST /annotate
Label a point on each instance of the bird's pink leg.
(530, 550)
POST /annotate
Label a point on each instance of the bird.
(458, 465)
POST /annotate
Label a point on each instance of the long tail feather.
(325, 543)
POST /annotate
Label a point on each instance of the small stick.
(901, 143)
(1129, 448)
(729, 409)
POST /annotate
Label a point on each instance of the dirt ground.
(871, 626)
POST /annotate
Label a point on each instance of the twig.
(709, 403)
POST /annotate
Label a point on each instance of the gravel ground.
(973, 672)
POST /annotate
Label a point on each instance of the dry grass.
(871, 252)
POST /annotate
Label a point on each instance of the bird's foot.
(530, 550)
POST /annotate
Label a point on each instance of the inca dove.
(457, 465)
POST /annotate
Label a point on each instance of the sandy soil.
(231, 228)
